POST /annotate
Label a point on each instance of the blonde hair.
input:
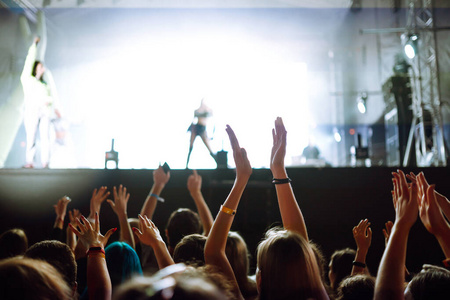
(288, 267)
(25, 278)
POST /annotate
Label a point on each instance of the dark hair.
(122, 261)
(59, 255)
(341, 265)
(190, 250)
(33, 72)
(182, 222)
(26, 278)
(357, 287)
(433, 283)
(12, 243)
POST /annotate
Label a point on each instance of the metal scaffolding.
(427, 125)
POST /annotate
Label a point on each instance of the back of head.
(122, 261)
(25, 278)
(190, 250)
(358, 287)
(12, 243)
(341, 266)
(287, 267)
(432, 283)
(182, 222)
(190, 284)
(59, 255)
(238, 256)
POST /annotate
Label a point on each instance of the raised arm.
(149, 235)
(98, 196)
(119, 206)
(217, 239)
(194, 185)
(29, 62)
(363, 238)
(431, 216)
(98, 280)
(391, 276)
(71, 238)
(60, 211)
(291, 214)
(160, 179)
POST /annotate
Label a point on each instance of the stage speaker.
(222, 160)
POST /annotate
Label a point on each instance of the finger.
(80, 225)
(386, 235)
(115, 194)
(194, 172)
(127, 197)
(233, 139)
(274, 136)
(369, 233)
(113, 205)
(108, 234)
(74, 230)
(137, 232)
(96, 223)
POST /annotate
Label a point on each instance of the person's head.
(238, 256)
(190, 250)
(287, 268)
(175, 282)
(59, 255)
(357, 287)
(340, 266)
(431, 283)
(181, 222)
(26, 278)
(38, 70)
(122, 261)
(12, 243)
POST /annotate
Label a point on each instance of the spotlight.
(337, 135)
(409, 42)
(361, 102)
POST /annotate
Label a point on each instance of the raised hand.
(90, 234)
(194, 183)
(279, 146)
(147, 233)
(73, 216)
(61, 207)
(121, 197)
(160, 177)
(98, 196)
(362, 234)
(243, 167)
(387, 231)
(405, 200)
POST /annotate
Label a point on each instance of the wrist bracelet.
(227, 210)
(281, 181)
(359, 264)
(95, 250)
(156, 196)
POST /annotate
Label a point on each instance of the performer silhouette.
(198, 128)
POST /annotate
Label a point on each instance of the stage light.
(410, 42)
(361, 102)
(337, 135)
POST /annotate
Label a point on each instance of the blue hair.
(122, 261)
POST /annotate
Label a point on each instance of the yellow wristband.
(227, 210)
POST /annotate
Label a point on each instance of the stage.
(333, 200)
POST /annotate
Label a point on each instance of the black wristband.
(359, 264)
(281, 181)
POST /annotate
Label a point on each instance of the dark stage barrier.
(333, 200)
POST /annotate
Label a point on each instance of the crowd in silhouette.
(198, 257)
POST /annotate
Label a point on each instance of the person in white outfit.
(40, 107)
